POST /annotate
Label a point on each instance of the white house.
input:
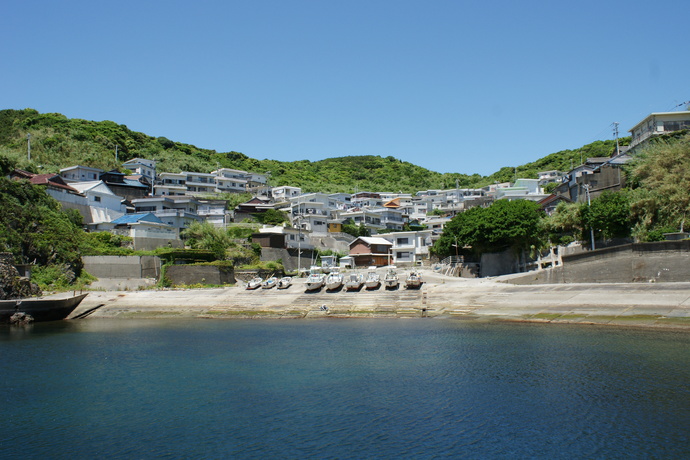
(659, 123)
(146, 230)
(200, 183)
(392, 219)
(80, 173)
(230, 180)
(409, 247)
(285, 193)
(215, 212)
(142, 167)
(172, 184)
(177, 211)
(103, 204)
(365, 217)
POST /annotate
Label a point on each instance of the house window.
(97, 199)
(402, 241)
(676, 125)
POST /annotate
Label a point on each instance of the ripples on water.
(342, 389)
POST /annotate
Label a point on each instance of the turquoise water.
(422, 388)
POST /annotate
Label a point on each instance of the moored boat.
(354, 282)
(373, 280)
(269, 282)
(334, 280)
(414, 280)
(39, 308)
(391, 280)
(254, 283)
(285, 282)
(315, 280)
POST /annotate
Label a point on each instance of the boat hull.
(40, 309)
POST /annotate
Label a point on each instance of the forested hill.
(58, 142)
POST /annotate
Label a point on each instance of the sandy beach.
(633, 304)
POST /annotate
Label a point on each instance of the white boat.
(391, 280)
(285, 282)
(335, 279)
(328, 263)
(373, 280)
(254, 283)
(414, 280)
(315, 280)
(354, 282)
(270, 282)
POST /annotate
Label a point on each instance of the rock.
(13, 286)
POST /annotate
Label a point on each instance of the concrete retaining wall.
(122, 266)
(200, 274)
(664, 261)
(289, 257)
(498, 263)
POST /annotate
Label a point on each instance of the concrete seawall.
(633, 304)
(660, 262)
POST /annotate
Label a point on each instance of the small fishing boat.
(38, 308)
(414, 280)
(328, 263)
(269, 282)
(335, 279)
(391, 280)
(373, 280)
(315, 280)
(254, 283)
(285, 282)
(354, 282)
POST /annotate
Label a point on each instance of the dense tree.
(503, 225)
(660, 178)
(35, 229)
(203, 235)
(608, 215)
(58, 141)
(271, 217)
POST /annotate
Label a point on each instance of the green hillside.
(58, 142)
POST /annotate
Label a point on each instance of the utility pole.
(589, 205)
(299, 240)
(28, 145)
(615, 133)
(116, 146)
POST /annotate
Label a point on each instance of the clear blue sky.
(453, 86)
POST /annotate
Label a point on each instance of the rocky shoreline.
(630, 304)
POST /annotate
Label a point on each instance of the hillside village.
(153, 207)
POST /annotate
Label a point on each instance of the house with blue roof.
(146, 230)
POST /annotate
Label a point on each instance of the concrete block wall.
(664, 261)
(200, 274)
(122, 266)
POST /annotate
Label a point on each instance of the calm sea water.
(423, 388)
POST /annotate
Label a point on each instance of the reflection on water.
(342, 389)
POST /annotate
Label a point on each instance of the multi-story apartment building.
(200, 183)
(171, 184)
(230, 180)
(177, 211)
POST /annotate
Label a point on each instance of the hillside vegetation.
(58, 142)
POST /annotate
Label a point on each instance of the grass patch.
(549, 316)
